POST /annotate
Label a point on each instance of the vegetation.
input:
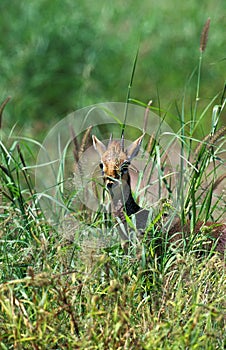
(59, 292)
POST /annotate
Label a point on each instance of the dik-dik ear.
(98, 145)
(133, 150)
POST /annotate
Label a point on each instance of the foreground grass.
(116, 302)
(60, 293)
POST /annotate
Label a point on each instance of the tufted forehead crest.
(114, 153)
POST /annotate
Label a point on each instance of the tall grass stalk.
(203, 43)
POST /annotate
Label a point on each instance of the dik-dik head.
(115, 160)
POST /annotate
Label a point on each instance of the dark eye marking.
(101, 165)
(124, 167)
(125, 164)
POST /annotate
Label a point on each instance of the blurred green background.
(58, 56)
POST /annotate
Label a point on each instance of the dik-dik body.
(114, 164)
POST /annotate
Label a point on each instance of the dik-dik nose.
(109, 184)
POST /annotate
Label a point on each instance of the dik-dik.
(114, 164)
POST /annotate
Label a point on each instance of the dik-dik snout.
(115, 175)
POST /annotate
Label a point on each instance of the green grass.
(116, 303)
(59, 289)
(77, 58)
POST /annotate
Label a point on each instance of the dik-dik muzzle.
(114, 175)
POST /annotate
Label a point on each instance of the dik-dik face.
(114, 160)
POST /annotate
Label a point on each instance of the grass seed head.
(204, 35)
